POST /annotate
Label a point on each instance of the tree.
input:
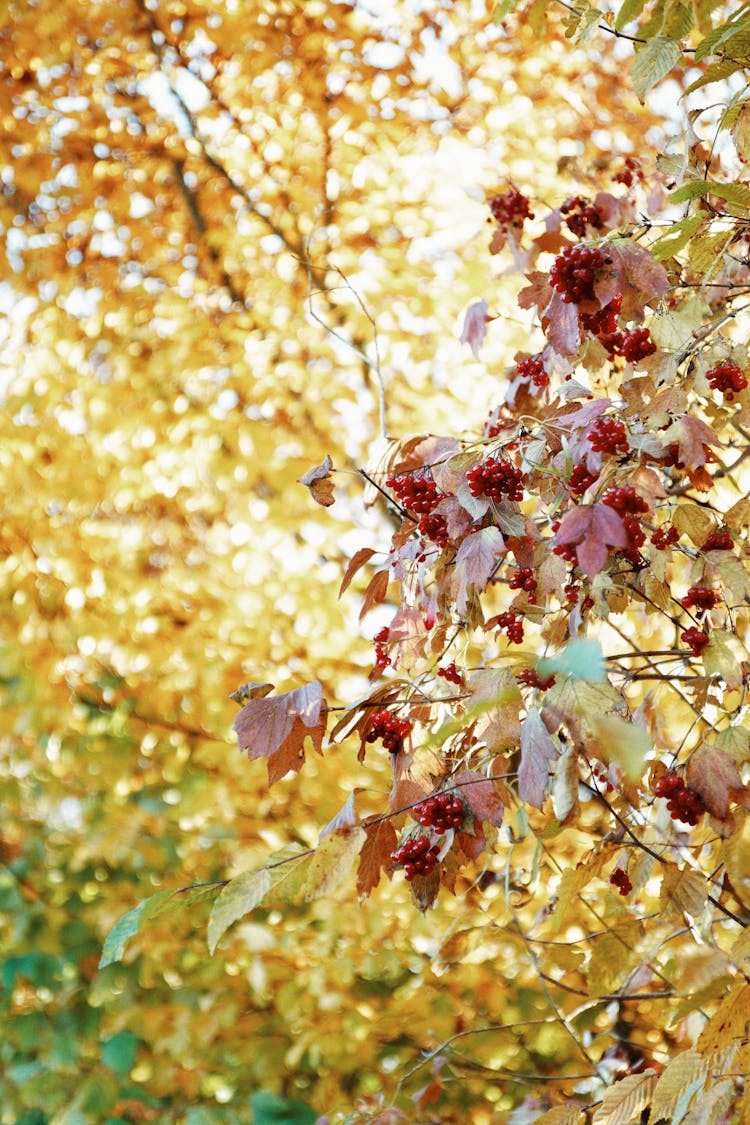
(160, 314)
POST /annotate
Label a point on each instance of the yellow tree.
(235, 236)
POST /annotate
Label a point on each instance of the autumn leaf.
(715, 778)
(480, 795)
(356, 562)
(346, 817)
(623, 1102)
(332, 861)
(241, 895)
(375, 855)
(594, 529)
(475, 326)
(476, 559)
(276, 728)
(538, 750)
(318, 480)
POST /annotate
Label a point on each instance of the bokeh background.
(212, 213)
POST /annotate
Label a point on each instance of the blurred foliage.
(183, 185)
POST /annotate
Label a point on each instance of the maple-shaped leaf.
(715, 778)
(560, 323)
(476, 559)
(637, 276)
(375, 855)
(594, 529)
(538, 749)
(480, 795)
(693, 437)
(318, 480)
(276, 728)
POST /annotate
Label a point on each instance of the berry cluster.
(619, 878)
(531, 678)
(636, 345)
(728, 378)
(417, 492)
(603, 322)
(684, 804)
(574, 271)
(512, 625)
(720, 540)
(533, 369)
(625, 500)
(581, 479)
(600, 776)
(494, 479)
(417, 857)
(695, 639)
(510, 208)
(607, 435)
(665, 536)
(523, 579)
(580, 214)
(382, 659)
(627, 173)
(433, 526)
(392, 730)
(451, 673)
(701, 597)
(572, 593)
(441, 811)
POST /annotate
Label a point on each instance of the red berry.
(494, 479)
(684, 804)
(580, 215)
(625, 500)
(533, 368)
(441, 811)
(604, 321)
(510, 209)
(701, 597)
(417, 857)
(433, 526)
(531, 678)
(384, 724)
(728, 378)
(382, 659)
(619, 878)
(695, 639)
(574, 271)
(581, 479)
(512, 625)
(636, 345)
(608, 435)
(451, 673)
(523, 579)
(720, 540)
(417, 492)
(665, 536)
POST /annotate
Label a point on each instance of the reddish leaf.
(481, 796)
(561, 325)
(475, 326)
(692, 436)
(594, 528)
(375, 592)
(375, 855)
(475, 561)
(639, 277)
(276, 728)
(318, 481)
(714, 776)
(538, 749)
(356, 562)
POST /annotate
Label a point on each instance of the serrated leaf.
(741, 133)
(538, 750)
(673, 240)
(581, 659)
(476, 560)
(653, 62)
(716, 72)
(629, 10)
(685, 1071)
(623, 1102)
(560, 1115)
(622, 742)
(333, 860)
(613, 957)
(375, 855)
(129, 925)
(241, 895)
(683, 891)
(275, 728)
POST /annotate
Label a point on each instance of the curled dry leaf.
(318, 481)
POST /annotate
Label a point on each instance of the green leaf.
(652, 63)
(693, 189)
(503, 10)
(630, 10)
(673, 240)
(581, 659)
(715, 73)
(270, 1109)
(239, 896)
(119, 1052)
(129, 925)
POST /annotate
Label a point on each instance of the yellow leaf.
(623, 1102)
